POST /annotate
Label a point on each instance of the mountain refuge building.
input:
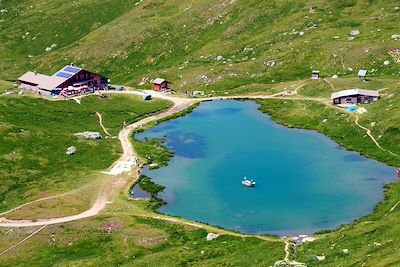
(355, 96)
(68, 79)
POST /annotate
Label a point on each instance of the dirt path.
(101, 123)
(46, 198)
(129, 154)
(32, 202)
(179, 104)
(206, 227)
(368, 131)
(101, 202)
(394, 207)
(287, 251)
(23, 240)
(330, 84)
(94, 210)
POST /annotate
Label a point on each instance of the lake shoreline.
(183, 113)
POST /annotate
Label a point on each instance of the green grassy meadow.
(222, 47)
(126, 240)
(219, 46)
(371, 240)
(35, 134)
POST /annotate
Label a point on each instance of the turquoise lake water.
(305, 181)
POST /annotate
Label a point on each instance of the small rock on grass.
(396, 37)
(354, 33)
(320, 258)
(211, 236)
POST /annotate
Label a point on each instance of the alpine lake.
(305, 182)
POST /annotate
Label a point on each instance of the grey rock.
(90, 135)
(71, 150)
(396, 37)
(354, 33)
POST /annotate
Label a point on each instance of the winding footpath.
(368, 131)
(129, 155)
(179, 104)
(101, 123)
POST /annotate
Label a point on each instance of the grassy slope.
(382, 117)
(180, 40)
(339, 125)
(35, 133)
(108, 240)
(6, 87)
(371, 240)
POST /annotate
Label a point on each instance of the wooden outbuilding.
(355, 96)
(160, 84)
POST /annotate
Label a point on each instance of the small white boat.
(248, 183)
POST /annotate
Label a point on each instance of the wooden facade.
(355, 96)
(69, 76)
(161, 84)
(355, 99)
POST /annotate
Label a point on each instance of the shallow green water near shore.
(305, 181)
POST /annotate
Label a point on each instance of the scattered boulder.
(219, 58)
(396, 37)
(270, 63)
(335, 76)
(345, 251)
(153, 166)
(247, 49)
(49, 48)
(386, 62)
(376, 244)
(198, 93)
(90, 135)
(211, 236)
(71, 150)
(321, 258)
(355, 33)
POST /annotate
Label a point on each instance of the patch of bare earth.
(150, 239)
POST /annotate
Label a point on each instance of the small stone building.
(315, 75)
